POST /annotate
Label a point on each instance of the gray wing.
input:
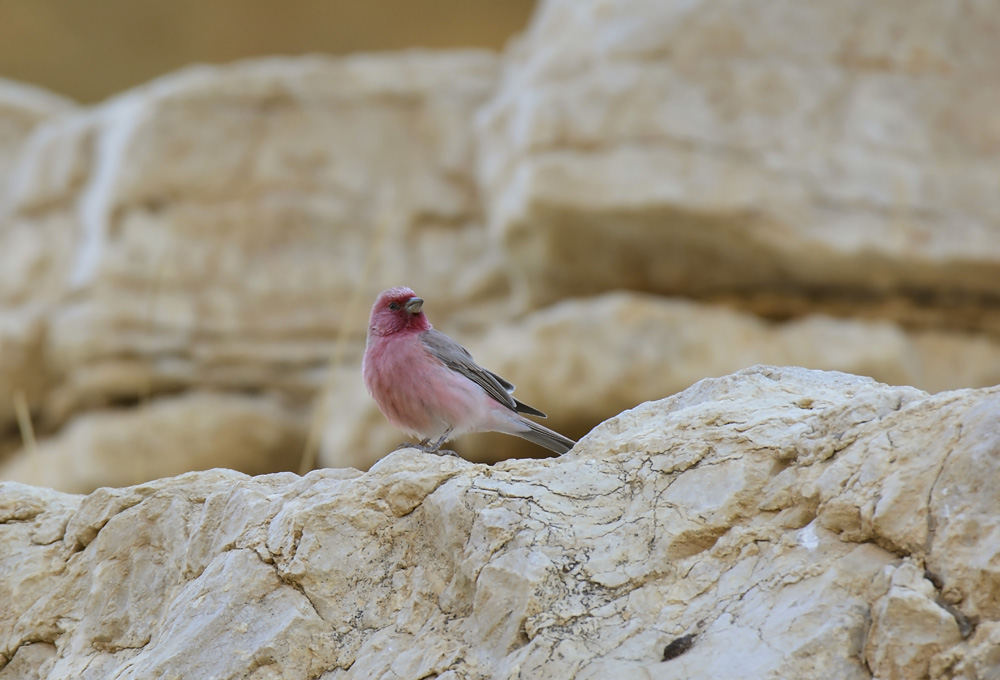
(458, 359)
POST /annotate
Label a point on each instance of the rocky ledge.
(778, 522)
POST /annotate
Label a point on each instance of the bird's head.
(395, 310)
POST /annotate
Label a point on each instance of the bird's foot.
(427, 448)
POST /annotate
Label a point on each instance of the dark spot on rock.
(677, 647)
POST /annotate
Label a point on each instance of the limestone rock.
(165, 437)
(22, 109)
(23, 373)
(772, 523)
(211, 229)
(908, 627)
(582, 361)
(783, 155)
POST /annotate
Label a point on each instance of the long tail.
(543, 436)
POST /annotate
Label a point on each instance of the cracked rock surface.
(777, 522)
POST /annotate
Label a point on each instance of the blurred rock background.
(629, 197)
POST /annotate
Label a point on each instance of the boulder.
(220, 227)
(24, 378)
(777, 522)
(784, 156)
(163, 437)
(22, 109)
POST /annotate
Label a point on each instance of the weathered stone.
(211, 228)
(978, 657)
(168, 436)
(908, 627)
(711, 528)
(22, 109)
(23, 374)
(27, 115)
(783, 155)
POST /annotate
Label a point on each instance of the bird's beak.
(413, 305)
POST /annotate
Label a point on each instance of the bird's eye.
(394, 306)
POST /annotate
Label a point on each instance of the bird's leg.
(436, 446)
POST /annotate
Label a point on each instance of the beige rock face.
(781, 154)
(777, 522)
(224, 229)
(23, 373)
(583, 361)
(168, 436)
(22, 109)
(214, 226)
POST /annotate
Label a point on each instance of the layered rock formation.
(22, 108)
(210, 232)
(162, 438)
(214, 224)
(783, 155)
(773, 523)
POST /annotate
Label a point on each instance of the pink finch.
(428, 385)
